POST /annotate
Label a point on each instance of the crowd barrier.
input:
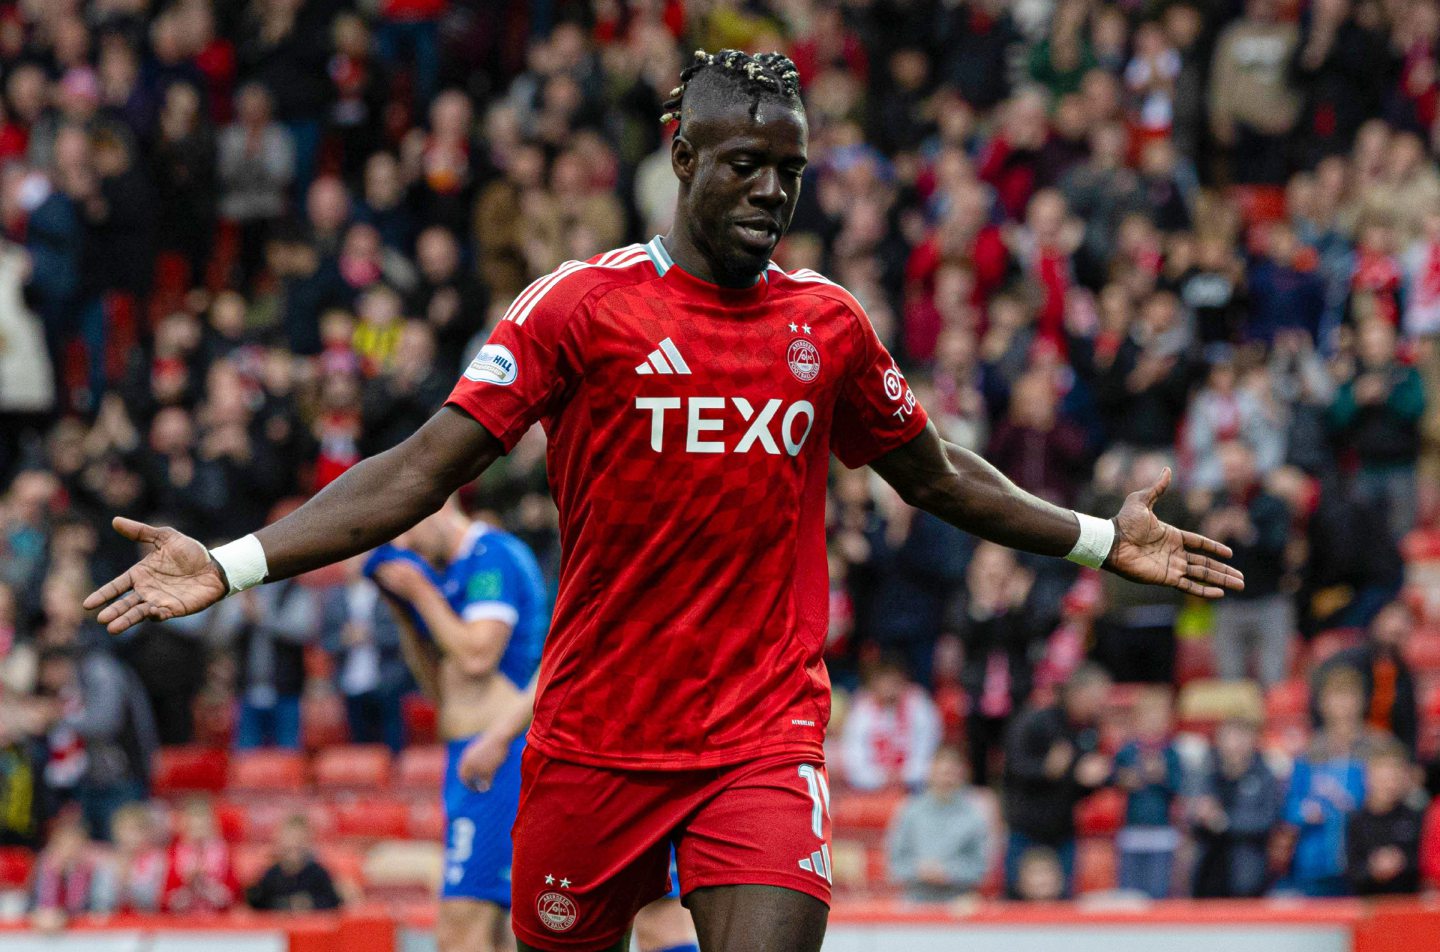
(1411, 925)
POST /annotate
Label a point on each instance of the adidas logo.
(657, 362)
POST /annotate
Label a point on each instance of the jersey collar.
(665, 267)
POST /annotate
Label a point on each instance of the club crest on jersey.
(556, 911)
(494, 364)
(804, 359)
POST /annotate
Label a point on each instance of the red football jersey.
(690, 428)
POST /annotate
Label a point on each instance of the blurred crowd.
(245, 244)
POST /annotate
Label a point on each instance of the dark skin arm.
(374, 501)
(958, 486)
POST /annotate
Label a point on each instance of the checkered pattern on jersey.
(688, 458)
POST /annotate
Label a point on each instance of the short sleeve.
(531, 359)
(876, 411)
(492, 587)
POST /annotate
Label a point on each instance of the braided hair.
(762, 76)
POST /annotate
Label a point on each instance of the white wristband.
(243, 561)
(1096, 538)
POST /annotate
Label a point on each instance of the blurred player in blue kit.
(473, 614)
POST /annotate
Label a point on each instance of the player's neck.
(689, 258)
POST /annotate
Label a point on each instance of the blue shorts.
(477, 829)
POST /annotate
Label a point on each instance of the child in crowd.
(296, 882)
(1328, 784)
(1041, 877)
(134, 877)
(1148, 769)
(1239, 803)
(201, 877)
(939, 841)
(1382, 840)
(64, 878)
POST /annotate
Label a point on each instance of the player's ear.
(683, 158)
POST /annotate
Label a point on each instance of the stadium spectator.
(1255, 629)
(1135, 632)
(99, 731)
(1430, 846)
(939, 841)
(1148, 769)
(1238, 806)
(369, 671)
(1377, 411)
(1000, 628)
(1252, 106)
(1382, 838)
(296, 882)
(202, 366)
(1390, 704)
(1052, 761)
(200, 875)
(891, 731)
(256, 164)
(132, 878)
(270, 629)
(1041, 875)
(1327, 786)
(65, 873)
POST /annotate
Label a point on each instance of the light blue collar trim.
(658, 255)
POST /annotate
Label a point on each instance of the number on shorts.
(819, 796)
(462, 839)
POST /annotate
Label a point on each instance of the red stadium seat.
(427, 819)
(178, 770)
(267, 771)
(16, 862)
(420, 769)
(864, 812)
(251, 860)
(322, 720)
(1095, 866)
(343, 860)
(1101, 813)
(1194, 660)
(353, 767)
(233, 820)
(372, 819)
(1287, 699)
(418, 713)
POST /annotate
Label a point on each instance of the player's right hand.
(481, 760)
(176, 577)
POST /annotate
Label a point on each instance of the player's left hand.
(481, 760)
(401, 579)
(1151, 551)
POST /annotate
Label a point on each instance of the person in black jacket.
(296, 882)
(1258, 623)
(1000, 626)
(1052, 761)
(1382, 839)
(1239, 803)
(1389, 683)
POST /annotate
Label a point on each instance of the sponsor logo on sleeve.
(494, 364)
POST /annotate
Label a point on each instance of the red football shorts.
(592, 845)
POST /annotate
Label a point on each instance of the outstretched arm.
(374, 501)
(967, 492)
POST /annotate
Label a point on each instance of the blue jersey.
(495, 575)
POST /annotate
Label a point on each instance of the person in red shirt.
(200, 876)
(692, 393)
